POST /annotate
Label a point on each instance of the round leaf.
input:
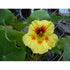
(6, 16)
(38, 15)
(8, 49)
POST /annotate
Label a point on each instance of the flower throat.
(40, 31)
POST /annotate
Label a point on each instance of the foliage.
(63, 44)
(18, 26)
(14, 35)
(58, 17)
(60, 44)
(56, 50)
(8, 49)
(38, 15)
(66, 54)
(6, 16)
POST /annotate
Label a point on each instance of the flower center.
(40, 31)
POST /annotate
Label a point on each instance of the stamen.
(33, 38)
(46, 38)
(39, 42)
(40, 33)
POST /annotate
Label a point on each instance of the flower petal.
(50, 29)
(49, 26)
(43, 48)
(52, 40)
(28, 41)
(34, 45)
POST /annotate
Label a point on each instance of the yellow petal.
(43, 48)
(52, 40)
(26, 39)
(33, 44)
(48, 24)
(50, 28)
(34, 24)
(29, 42)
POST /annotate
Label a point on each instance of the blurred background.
(26, 12)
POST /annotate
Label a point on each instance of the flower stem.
(60, 57)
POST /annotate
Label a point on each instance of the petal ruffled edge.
(33, 44)
(52, 40)
(48, 25)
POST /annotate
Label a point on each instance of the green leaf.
(64, 44)
(66, 55)
(38, 15)
(6, 16)
(18, 26)
(14, 35)
(56, 50)
(60, 43)
(8, 49)
(59, 46)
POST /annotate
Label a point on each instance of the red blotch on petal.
(36, 29)
(39, 42)
(46, 38)
(33, 38)
(43, 28)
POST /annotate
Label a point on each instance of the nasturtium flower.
(40, 37)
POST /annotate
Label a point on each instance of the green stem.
(60, 57)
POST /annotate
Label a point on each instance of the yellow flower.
(40, 37)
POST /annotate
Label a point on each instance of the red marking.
(46, 38)
(36, 29)
(43, 28)
(39, 42)
(33, 38)
(7, 25)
